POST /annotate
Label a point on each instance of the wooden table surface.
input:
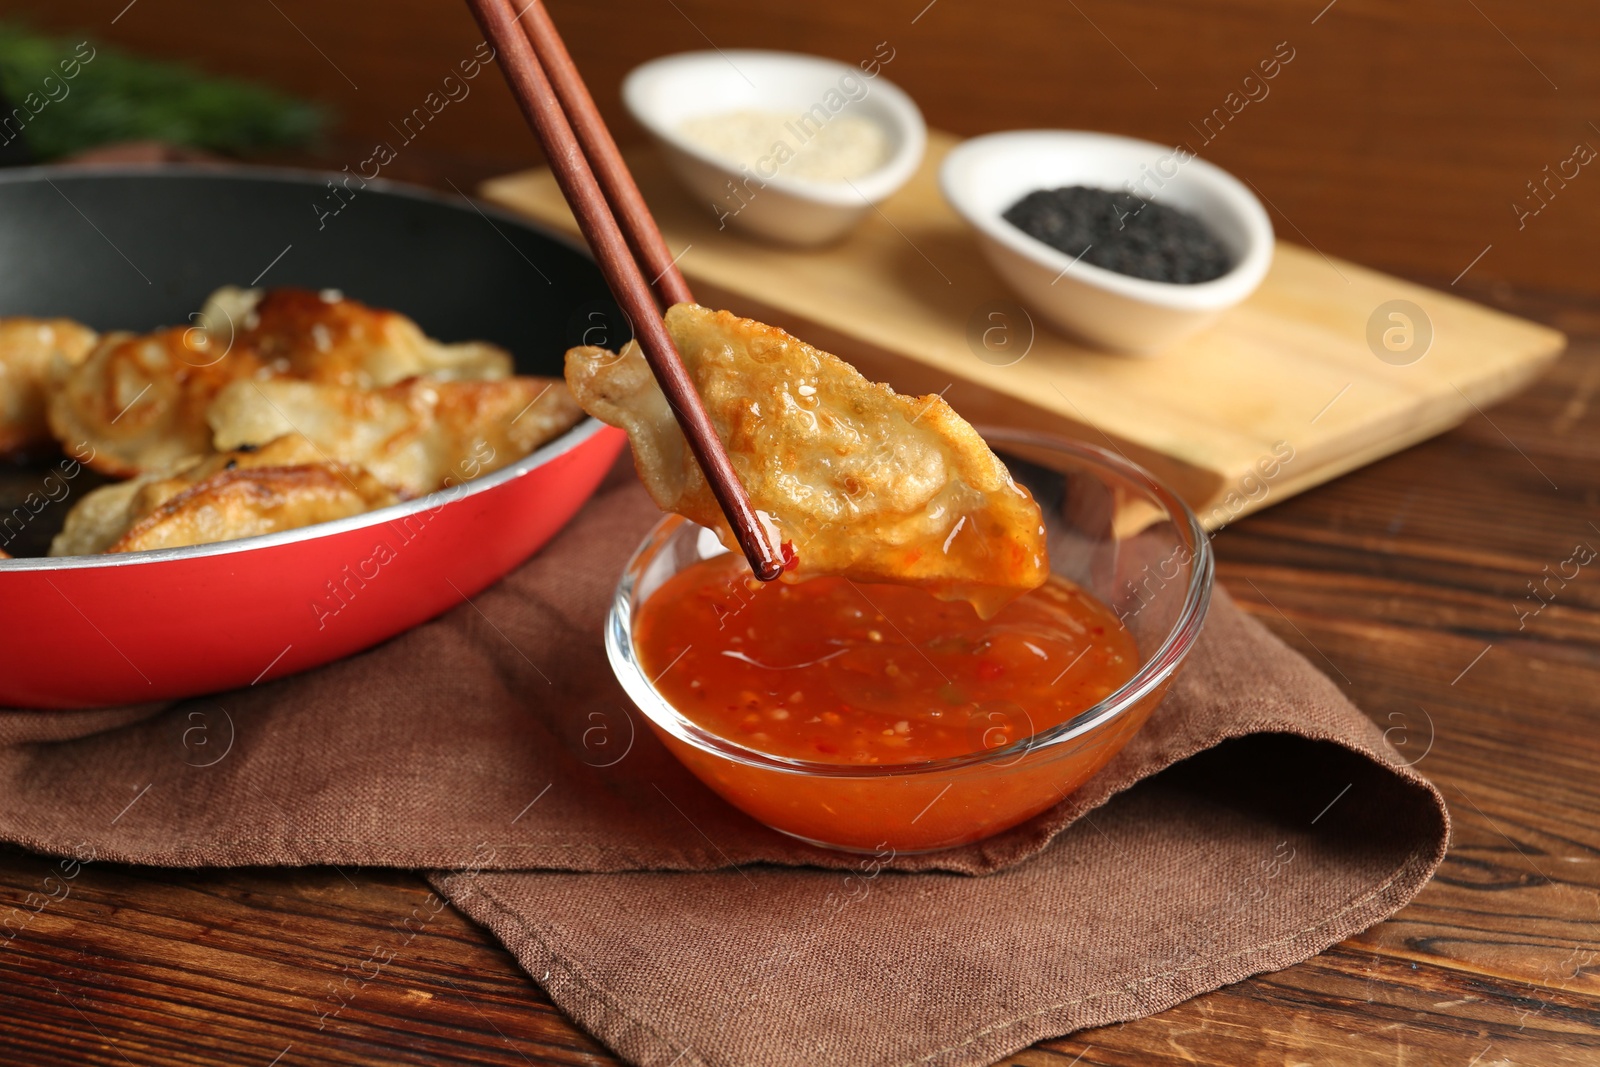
(1399, 138)
(1407, 581)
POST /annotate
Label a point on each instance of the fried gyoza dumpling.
(27, 348)
(323, 337)
(100, 517)
(418, 436)
(139, 400)
(285, 484)
(859, 480)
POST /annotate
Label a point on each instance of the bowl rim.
(1220, 292)
(1153, 673)
(870, 188)
(578, 434)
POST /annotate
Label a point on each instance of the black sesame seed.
(1124, 233)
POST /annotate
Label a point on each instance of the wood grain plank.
(178, 967)
(1290, 367)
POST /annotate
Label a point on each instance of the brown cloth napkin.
(1257, 819)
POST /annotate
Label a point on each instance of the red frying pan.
(141, 248)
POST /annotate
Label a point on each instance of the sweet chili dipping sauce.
(880, 676)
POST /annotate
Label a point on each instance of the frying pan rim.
(574, 437)
(561, 445)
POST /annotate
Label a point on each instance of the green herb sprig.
(113, 96)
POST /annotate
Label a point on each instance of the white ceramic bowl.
(985, 176)
(666, 92)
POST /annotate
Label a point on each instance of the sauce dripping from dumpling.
(855, 480)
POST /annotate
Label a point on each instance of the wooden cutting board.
(907, 296)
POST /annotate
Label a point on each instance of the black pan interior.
(136, 249)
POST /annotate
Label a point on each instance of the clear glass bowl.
(1113, 529)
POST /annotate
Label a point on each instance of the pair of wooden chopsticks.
(619, 227)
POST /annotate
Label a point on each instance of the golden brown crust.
(27, 348)
(324, 337)
(205, 420)
(139, 401)
(244, 502)
(419, 435)
(859, 480)
(99, 518)
(285, 484)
